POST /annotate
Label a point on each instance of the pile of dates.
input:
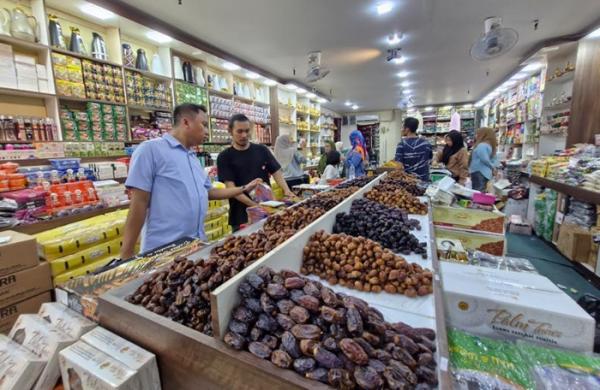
(363, 264)
(329, 199)
(301, 325)
(389, 226)
(401, 175)
(397, 197)
(358, 182)
(252, 247)
(389, 184)
(295, 218)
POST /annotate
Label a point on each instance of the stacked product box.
(80, 248)
(25, 282)
(217, 220)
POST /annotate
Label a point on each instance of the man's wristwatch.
(243, 188)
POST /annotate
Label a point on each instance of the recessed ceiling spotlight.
(550, 48)
(348, 103)
(428, 108)
(252, 75)
(394, 39)
(406, 91)
(594, 34)
(398, 60)
(300, 91)
(405, 83)
(270, 82)
(355, 107)
(311, 95)
(402, 74)
(158, 37)
(291, 87)
(96, 11)
(322, 100)
(230, 66)
(384, 7)
(533, 67)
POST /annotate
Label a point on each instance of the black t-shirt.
(241, 167)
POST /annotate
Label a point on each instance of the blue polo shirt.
(178, 188)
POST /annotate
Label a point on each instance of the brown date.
(320, 374)
(290, 345)
(354, 321)
(234, 340)
(259, 349)
(354, 351)
(304, 364)
(308, 347)
(326, 358)
(307, 332)
(281, 359)
(367, 378)
(294, 282)
(284, 321)
(276, 291)
(299, 314)
(309, 302)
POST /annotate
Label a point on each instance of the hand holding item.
(289, 194)
(252, 185)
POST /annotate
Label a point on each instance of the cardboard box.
(19, 253)
(43, 340)
(494, 244)
(514, 305)
(575, 242)
(24, 59)
(516, 207)
(517, 225)
(469, 219)
(84, 367)
(41, 71)
(9, 314)
(65, 319)
(44, 86)
(134, 357)
(25, 284)
(19, 368)
(27, 84)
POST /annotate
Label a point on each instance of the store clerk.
(169, 188)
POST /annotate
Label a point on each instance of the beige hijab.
(284, 150)
(487, 135)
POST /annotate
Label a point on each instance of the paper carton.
(84, 367)
(25, 284)
(19, 368)
(514, 305)
(10, 313)
(18, 253)
(469, 219)
(43, 340)
(494, 244)
(134, 357)
(65, 319)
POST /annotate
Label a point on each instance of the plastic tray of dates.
(301, 325)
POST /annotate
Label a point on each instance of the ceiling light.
(406, 91)
(398, 60)
(533, 67)
(402, 74)
(311, 95)
(405, 83)
(467, 106)
(448, 107)
(348, 103)
(384, 7)
(519, 76)
(230, 66)
(158, 37)
(300, 91)
(252, 75)
(96, 11)
(270, 82)
(510, 83)
(594, 34)
(429, 108)
(355, 107)
(394, 39)
(550, 48)
(322, 100)
(291, 87)
(197, 53)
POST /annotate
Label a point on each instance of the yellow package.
(67, 263)
(212, 223)
(214, 234)
(83, 270)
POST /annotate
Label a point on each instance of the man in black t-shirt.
(243, 162)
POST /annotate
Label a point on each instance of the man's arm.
(278, 176)
(399, 157)
(232, 192)
(241, 197)
(135, 220)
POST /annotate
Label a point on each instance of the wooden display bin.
(188, 359)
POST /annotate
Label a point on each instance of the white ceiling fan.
(495, 41)
(315, 71)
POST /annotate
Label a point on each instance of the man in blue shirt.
(169, 188)
(413, 151)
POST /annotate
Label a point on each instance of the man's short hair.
(412, 124)
(237, 118)
(187, 109)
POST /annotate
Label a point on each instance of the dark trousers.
(478, 181)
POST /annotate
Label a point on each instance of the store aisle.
(550, 263)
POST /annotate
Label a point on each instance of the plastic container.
(4, 185)
(65, 163)
(9, 167)
(484, 198)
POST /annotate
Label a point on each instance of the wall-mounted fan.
(315, 72)
(495, 41)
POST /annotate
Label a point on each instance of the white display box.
(42, 73)
(84, 367)
(131, 355)
(514, 305)
(65, 319)
(19, 368)
(25, 59)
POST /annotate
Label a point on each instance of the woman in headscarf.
(329, 147)
(455, 156)
(286, 153)
(332, 170)
(357, 157)
(483, 158)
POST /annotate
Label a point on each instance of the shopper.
(291, 160)
(357, 158)
(332, 170)
(483, 158)
(455, 157)
(414, 152)
(243, 161)
(169, 188)
(329, 147)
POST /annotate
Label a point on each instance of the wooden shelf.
(223, 94)
(576, 192)
(25, 93)
(149, 74)
(21, 43)
(86, 100)
(44, 161)
(147, 109)
(85, 57)
(570, 76)
(559, 107)
(42, 226)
